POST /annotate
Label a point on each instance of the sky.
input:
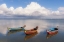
(33, 7)
(53, 4)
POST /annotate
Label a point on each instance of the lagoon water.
(41, 36)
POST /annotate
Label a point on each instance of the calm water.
(41, 36)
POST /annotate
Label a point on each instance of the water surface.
(39, 37)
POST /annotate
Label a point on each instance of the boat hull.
(28, 32)
(52, 32)
(15, 29)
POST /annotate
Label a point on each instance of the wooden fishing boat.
(52, 31)
(15, 29)
(32, 31)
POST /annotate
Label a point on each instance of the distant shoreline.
(26, 19)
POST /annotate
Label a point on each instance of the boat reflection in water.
(50, 35)
(30, 36)
(13, 31)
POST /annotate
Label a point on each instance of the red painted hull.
(28, 32)
(52, 32)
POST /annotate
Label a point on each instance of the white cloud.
(34, 6)
(30, 9)
(19, 10)
(56, 12)
(3, 7)
(61, 9)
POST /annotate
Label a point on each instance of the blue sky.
(53, 4)
(47, 8)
